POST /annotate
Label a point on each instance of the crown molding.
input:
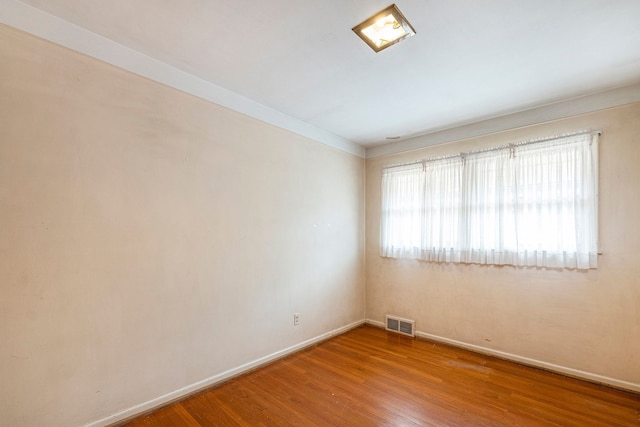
(34, 21)
(49, 27)
(559, 110)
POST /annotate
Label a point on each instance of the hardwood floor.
(368, 377)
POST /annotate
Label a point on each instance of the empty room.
(323, 213)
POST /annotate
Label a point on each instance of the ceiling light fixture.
(387, 27)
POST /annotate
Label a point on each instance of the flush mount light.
(385, 28)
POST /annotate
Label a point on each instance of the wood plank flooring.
(369, 377)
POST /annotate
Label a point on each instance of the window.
(527, 204)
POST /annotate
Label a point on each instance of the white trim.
(32, 20)
(376, 323)
(39, 23)
(575, 373)
(219, 378)
(573, 107)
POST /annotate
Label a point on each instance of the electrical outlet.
(296, 319)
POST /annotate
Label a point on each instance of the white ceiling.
(469, 61)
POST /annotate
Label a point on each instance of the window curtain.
(527, 204)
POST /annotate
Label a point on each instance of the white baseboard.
(216, 379)
(575, 373)
(375, 323)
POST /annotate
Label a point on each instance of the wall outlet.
(296, 319)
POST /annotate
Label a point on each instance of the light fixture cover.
(387, 27)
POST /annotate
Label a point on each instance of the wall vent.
(401, 326)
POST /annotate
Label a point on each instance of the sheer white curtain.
(528, 204)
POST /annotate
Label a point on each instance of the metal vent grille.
(401, 326)
(393, 324)
(406, 328)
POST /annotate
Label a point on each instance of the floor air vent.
(402, 326)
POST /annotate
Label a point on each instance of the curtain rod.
(498, 148)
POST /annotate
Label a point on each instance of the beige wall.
(585, 321)
(150, 240)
